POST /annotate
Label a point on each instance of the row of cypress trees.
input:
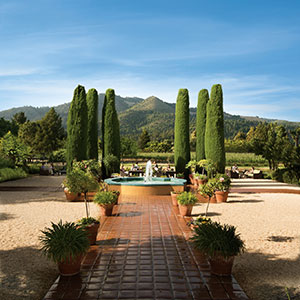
(209, 129)
(82, 126)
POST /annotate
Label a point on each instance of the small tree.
(19, 118)
(182, 153)
(92, 126)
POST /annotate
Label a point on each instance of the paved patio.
(143, 252)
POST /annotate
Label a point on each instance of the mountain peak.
(153, 104)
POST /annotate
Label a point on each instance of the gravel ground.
(269, 224)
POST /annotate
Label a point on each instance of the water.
(149, 172)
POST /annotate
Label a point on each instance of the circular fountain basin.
(138, 185)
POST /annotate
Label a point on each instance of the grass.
(11, 174)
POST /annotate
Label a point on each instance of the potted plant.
(200, 178)
(208, 192)
(106, 201)
(186, 201)
(66, 245)
(220, 243)
(174, 195)
(83, 182)
(222, 187)
(198, 221)
(180, 175)
(91, 226)
(118, 195)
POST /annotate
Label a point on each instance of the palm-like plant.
(213, 239)
(63, 242)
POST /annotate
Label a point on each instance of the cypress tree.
(77, 127)
(182, 153)
(110, 128)
(92, 126)
(201, 124)
(214, 133)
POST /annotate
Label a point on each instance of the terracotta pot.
(71, 266)
(185, 210)
(221, 266)
(201, 181)
(92, 231)
(221, 196)
(71, 196)
(106, 210)
(204, 199)
(174, 199)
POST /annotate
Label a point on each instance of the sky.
(143, 48)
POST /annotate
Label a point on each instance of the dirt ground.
(269, 224)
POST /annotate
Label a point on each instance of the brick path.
(143, 253)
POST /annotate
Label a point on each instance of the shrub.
(186, 198)
(87, 221)
(290, 176)
(11, 174)
(58, 156)
(6, 162)
(106, 197)
(111, 164)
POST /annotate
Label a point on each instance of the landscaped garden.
(65, 230)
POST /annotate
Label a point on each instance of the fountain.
(147, 185)
(149, 171)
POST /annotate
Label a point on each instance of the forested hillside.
(152, 114)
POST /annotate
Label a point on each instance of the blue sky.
(143, 48)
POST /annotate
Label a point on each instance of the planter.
(203, 199)
(201, 181)
(221, 266)
(174, 199)
(185, 210)
(92, 231)
(71, 266)
(221, 196)
(72, 196)
(106, 210)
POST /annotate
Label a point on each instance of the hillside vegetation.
(152, 114)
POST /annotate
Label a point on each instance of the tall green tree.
(110, 129)
(182, 153)
(214, 133)
(77, 127)
(144, 139)
(20, 118)
(203, 98)
(92, 127)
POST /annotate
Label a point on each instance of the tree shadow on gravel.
(6, 216)
(25, 274)
(268, 276)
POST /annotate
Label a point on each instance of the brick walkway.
(143, 253)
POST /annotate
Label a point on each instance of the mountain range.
(152, 114)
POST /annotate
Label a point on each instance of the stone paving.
(143, 252)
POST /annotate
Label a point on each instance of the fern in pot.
(65, 244)
(220, 243)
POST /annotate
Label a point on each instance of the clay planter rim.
(71, 266)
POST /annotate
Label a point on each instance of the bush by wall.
(11, 174)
